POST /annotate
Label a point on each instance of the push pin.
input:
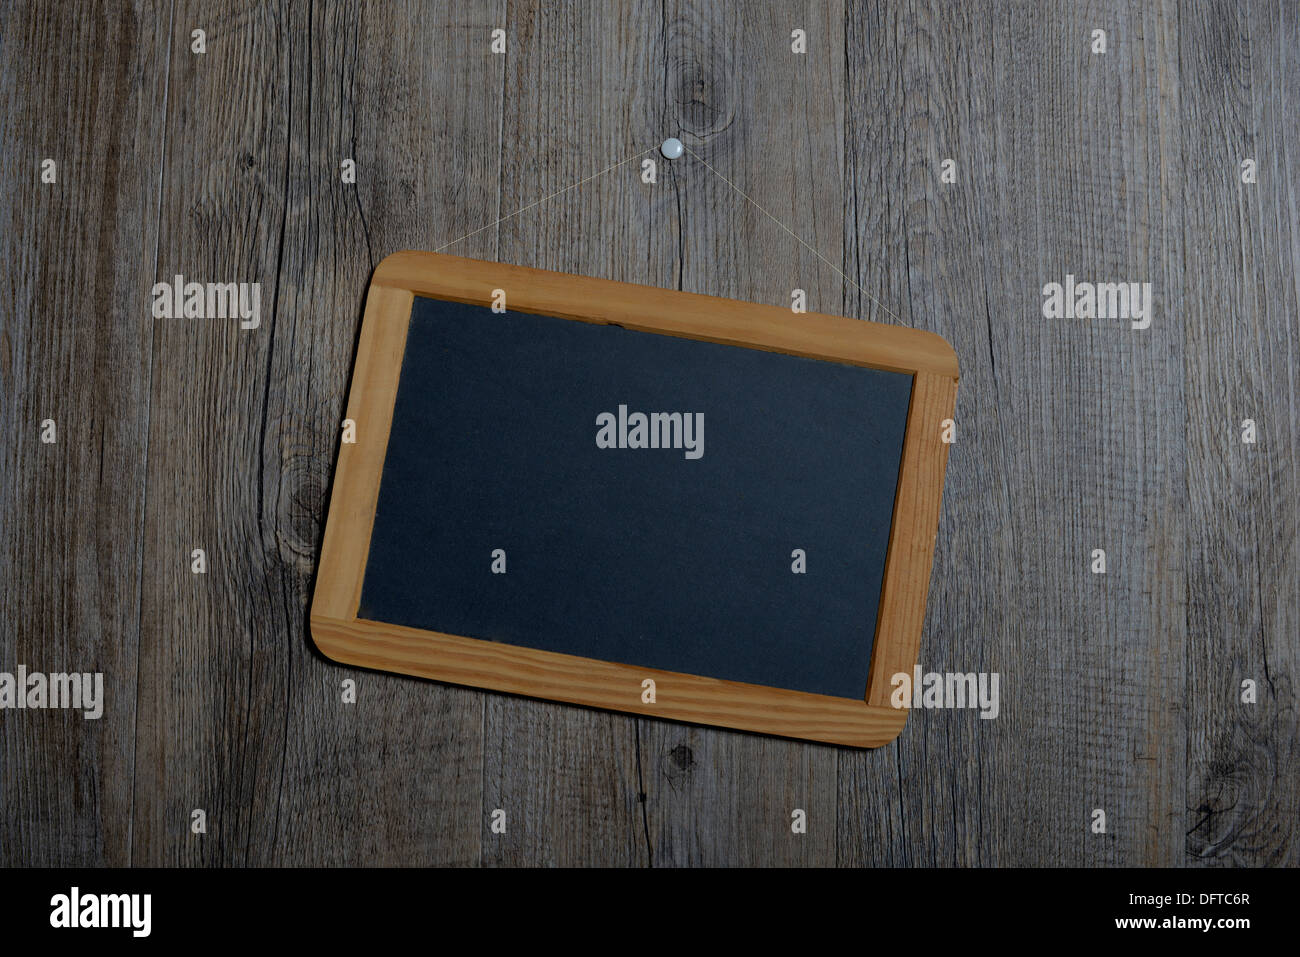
(672, 148)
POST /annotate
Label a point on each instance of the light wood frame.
(603, 684)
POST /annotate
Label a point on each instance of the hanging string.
(704, 162)
(607, 169)
(796, 238)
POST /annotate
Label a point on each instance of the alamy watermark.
(946, 690)
(75, 909)
(80, 691)
(179, 299)
(1102, 300)
(654, 430)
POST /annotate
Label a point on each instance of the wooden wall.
(1118, 691)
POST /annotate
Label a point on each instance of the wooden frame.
(543, 674)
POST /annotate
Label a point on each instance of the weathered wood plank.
(239, 715)
(74, 333)
(1063, 442)
(1241, 78)
(214, 659)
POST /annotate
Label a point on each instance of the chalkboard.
(635, 498)
(756, 556)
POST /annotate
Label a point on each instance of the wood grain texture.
(241, 717)
(1062, 448)
(74, 348)
(1119, 692)
(1242, 362)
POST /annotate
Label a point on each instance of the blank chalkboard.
(635, 498)
(643, 556)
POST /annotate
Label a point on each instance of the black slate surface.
(639, 556)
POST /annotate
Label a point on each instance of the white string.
(539, 202)
(791, 232)
(741, 192)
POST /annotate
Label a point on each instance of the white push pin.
(672, 148)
